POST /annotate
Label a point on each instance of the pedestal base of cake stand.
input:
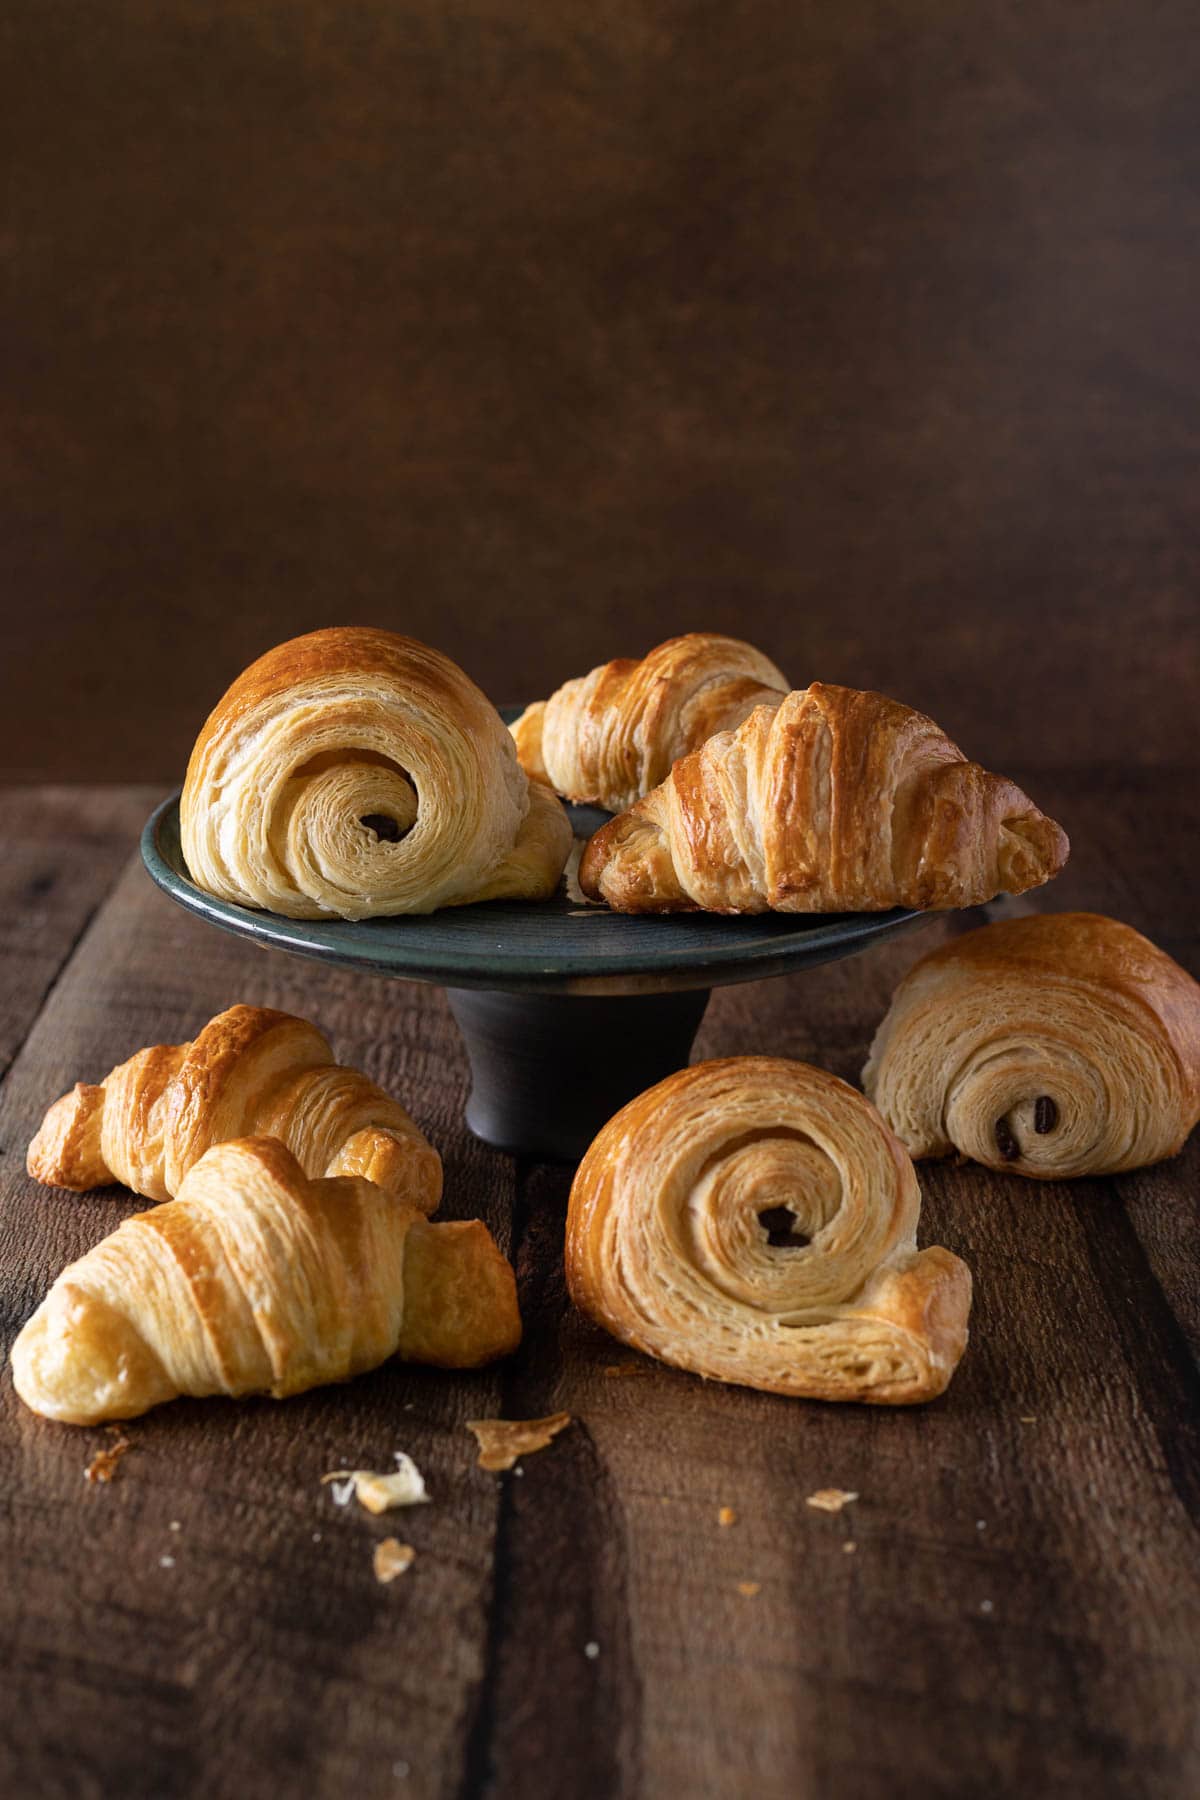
(548, 1070)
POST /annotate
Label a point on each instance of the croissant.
(1058, 1045)
(833, 801)
(251, 1072)
(607, 738)
(754, 1220)
(257, 1280)
(358, 773)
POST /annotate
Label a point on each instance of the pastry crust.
(608, 737)
(1053, 1046)
(250, 1072)
(258, 1280)
(669, 1241)
(835, 800)
(356, 773)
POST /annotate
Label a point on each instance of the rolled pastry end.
(66, 1150)
(527, 735)
(628, 863)
(460, 1296)
(401, 1164)
(80, 1361)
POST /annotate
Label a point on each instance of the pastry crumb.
(726, 1515)
(985, 1606)
(748, 1589)
(391, 1558)
(591, 1650)
(166, 1562)
(103, 1466)
(379, 1493)
(849, 1546)
(831, 1500)
(1028, 1418)
(501, 1441)
(626, 1368)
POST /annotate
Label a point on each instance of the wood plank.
(63, 850)
(266, 1657)
(1019, 1614)
(1021, 1608)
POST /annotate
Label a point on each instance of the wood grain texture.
(544, 332)
(1019, 1614)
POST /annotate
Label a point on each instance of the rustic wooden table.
(1020, 1610)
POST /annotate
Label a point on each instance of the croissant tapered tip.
(65, 1151)
(80, 1361)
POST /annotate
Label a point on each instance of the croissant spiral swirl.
(834, 801)
(1058, 1045)
(357, 773)
(754, 1220)
(257, 1280)
(250, 1072)
(607, 738)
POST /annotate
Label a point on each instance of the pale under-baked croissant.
(258, 1280)
(251, 1072)
(359, 773)
(607, 738)
(1057, 1045)
(834, 801)
(754, 1220)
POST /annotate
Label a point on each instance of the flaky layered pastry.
(833, 801)
(754, 1220)
(251, 1072)
(357, 773)
(258, 1280)
(1058, 1045)
(607, 738)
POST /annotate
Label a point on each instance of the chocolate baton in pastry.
(1058, 1045)
(251, 1072)
(754, 1220)
(258, 1280)
(607, 738)
(357, 773)
(835, 800)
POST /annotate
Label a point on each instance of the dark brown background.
(544, 330)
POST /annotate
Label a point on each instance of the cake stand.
(567, 1010)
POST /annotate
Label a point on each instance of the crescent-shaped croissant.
(1057, 1045)
(251, 1072)
(834, 801)
(257, 1280)
(754, 1220)
(357, 773)
(607, 738)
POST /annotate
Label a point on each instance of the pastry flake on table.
(668, 1244)
(357, 774)
(257, 1280)
(1053, 1046)
(502, 1441)
(392, 1558)
(250, 1072)
(831, 800)
(608, 737)
(379, 1493)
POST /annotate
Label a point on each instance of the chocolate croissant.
(1058, 1045)
(754, 1220)
(833, 801)
(257, 1280)
(607, 738)
(251, 1072)
(356, 773)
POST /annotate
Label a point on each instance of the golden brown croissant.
(1058, 1045)
(257, 1280)
(607, 738)
(359, 773)
(754, 1220)
(834, 801)
(250, 1073)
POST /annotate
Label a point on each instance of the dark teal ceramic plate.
(551, 946)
